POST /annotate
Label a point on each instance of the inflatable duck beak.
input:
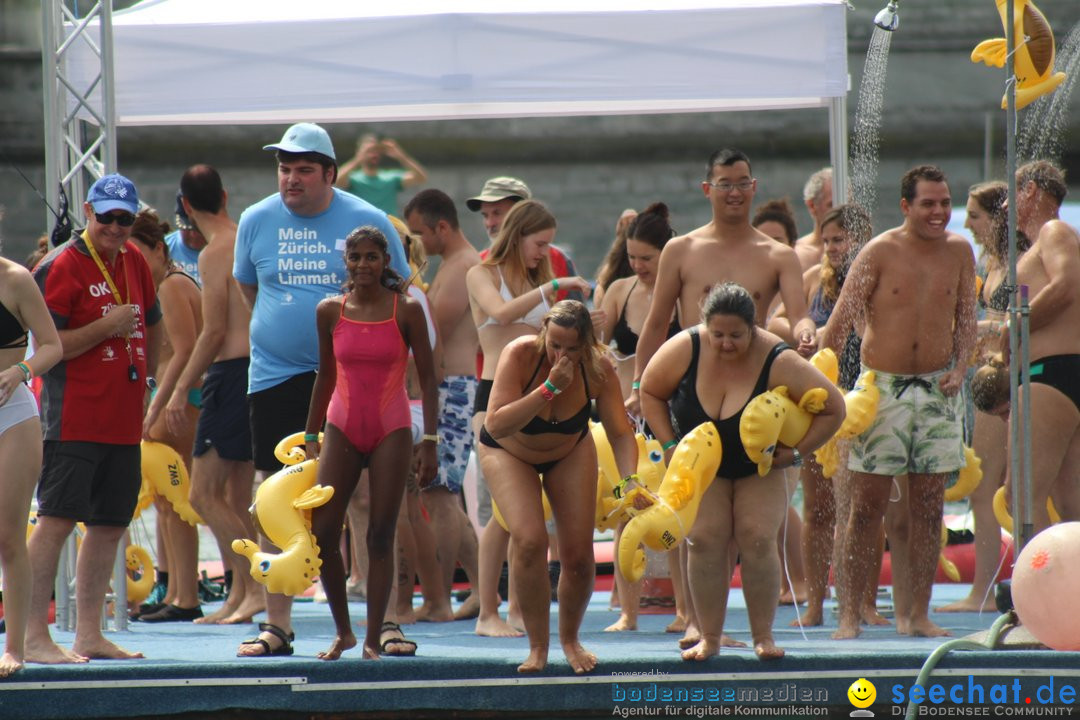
(888, 19)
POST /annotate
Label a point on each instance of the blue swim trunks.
(457, 393)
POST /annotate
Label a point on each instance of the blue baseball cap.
(113, 192)
(305, 137)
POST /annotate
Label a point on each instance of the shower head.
(888, 19)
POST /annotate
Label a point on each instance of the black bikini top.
(578, 423)
(12, 333)
(626, 339)
(999, 299)
(687, 413)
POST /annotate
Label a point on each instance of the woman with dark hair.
(626, 305)
(986, 219)
(709, 374)
(365, 337)
(21, 308)
(627, 301)
(181, 311)
(775, 219)
(536, 436)
(616, 264)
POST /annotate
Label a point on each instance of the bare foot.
(787, 599)
(217, 617)
(49, 653)
(727, 641)
(406, 616)
(869, 615)
(101, 649)
(536, 661)
(580, 659)
(969, 604)
(811, 617)
(926, 628)
(767, 650)
(701, 651)
(514, 620)
(370, 653)
(469, 609)
(440, 613)
(495, 626)
(9, 664)
(690, 639)
(247, 610)
(847, 630)
(623, 623)
(677, 625)
(340, 645)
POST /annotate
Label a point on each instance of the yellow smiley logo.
(862, 693)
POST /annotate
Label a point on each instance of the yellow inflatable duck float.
(502, 523)
(861, 404)
(947, 566)
(140, 573)
(1033, 59)
(650, 471)
(827, 364)
(1001, 511)
(163, 470)
(282, 512)
(967, 479)
(772, 417)
(665, 523)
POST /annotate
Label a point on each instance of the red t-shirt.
(91, 398)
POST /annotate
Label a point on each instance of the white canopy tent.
(272, 61)
(275, 61)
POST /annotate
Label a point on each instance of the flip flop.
(384, 645)
(285, 648)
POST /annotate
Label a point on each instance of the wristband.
(311, 437)
(636, 385)
(620, 487)
(28, 373)
(555, 284)
(551, 387)
(669, 444)
(430, 437)
(546, 393)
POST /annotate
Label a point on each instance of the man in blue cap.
(290, 255)
(101, 295)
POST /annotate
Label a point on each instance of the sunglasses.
(123, 220)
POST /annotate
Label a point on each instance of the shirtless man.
(818, 198)
(221, 468)
(432, 217)
(914, 286)
(727, 249)
(1051, 270)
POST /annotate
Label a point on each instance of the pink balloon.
(1045, 584)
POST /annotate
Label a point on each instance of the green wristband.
(636, 385)
(551, 387)
(311, 437)
(555, 284)
(669, 444)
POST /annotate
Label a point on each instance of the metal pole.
(838, 147)
(988, 146)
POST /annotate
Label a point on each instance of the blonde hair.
(525, 218)
(572, 314)
(414, 251)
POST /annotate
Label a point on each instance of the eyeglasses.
(742, 185)
(123, 220)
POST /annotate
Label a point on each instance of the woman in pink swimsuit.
(364, 342)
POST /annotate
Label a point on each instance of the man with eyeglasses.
(726, 249)
(101, 295)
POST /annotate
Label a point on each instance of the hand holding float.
(282, 512)
(772, 417)
(650, 473)
(665, 523)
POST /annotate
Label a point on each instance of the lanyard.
(133, 372)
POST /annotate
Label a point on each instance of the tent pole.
(838, 146)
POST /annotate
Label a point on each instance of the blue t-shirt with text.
(296, 261)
